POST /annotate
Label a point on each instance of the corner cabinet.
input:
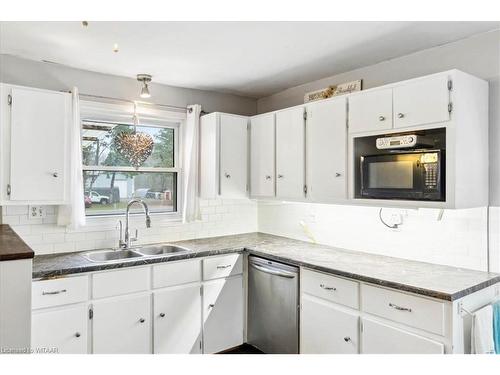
(223, 156)
(34, 128)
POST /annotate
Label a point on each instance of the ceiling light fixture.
(145, 79)
(116, 48)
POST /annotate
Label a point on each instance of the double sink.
(139, 252)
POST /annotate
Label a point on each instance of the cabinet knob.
(401, 115)
(77, 334)
(347, 339)
(268, 177)
(227, 175)
(142, 320)
(337, 174)
(55, 174)
(381, 118)
(162, 315)
(211, 306)
(280, 176)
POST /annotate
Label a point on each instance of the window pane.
(108, 192)
(99, 147)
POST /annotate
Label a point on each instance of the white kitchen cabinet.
(122, 325)
(326, 329)
(290, 153)
(370, 111)
(222, 314)
(223, 156)
(62, 330)
(421, 102)
(326, 150)
(35, 129)
(262, 156)
(379, 338)
(177, 320)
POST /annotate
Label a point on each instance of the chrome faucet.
(125, 244)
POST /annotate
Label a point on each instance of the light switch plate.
(37, 212)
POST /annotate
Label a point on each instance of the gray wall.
(15, 70)
(478, 55)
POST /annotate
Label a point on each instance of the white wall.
(460, 238)
(19, 71)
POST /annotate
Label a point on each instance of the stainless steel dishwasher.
(273, 306)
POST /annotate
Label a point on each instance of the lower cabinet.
(378, 338)
(325, 329)
(61, 330)
(222, 314)
(122, 325)
(177, 320)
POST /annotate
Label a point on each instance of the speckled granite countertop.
(447, 283)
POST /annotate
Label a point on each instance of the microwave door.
(391, 176)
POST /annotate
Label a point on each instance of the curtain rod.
(139, 102)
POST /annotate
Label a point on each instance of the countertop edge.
(9, 238)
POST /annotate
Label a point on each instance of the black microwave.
(406, 175)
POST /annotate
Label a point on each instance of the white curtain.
(73, 214)
(190, 139)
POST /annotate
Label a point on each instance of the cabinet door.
(233, 156)
(63, 329)
(326, 150)
(39, 122)
(327, 330)
(177, 320)
(421, 102)
(379, 338)
(122, 325)
(262, 171)
(370, 111)
(222, 314)
(290, 153)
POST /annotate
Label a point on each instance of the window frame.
(105, 112)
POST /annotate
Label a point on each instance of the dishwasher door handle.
(275, 272)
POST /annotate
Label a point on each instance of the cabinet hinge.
(305, 115)
(347, 114)
(450, 107)
(450, 85)
(9, 99)
(8, 189)
(201, 290)
(91, 313)
(305, 189)
(361, 325)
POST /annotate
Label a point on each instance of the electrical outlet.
(37, 212)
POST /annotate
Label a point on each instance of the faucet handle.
(136, 236)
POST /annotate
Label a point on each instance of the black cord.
(394, 226)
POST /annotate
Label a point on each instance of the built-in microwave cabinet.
(418, 102)
(223, 156)
(34, 128)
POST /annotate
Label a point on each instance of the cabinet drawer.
(223, 266)
(331, 288)
(56, 292)
(404, 308)
(114, 283)
(176, 273)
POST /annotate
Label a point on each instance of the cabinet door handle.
(211, 306)
(55, 174)
(401, 115)
(400, 308)
(162, 315)
(142, 320)
(54, 292)
(227, 175)
(280, 176)
(323, 286)
(77, 334)
(347, 339)
(268, 177)
(381, 118)
(221, 267)
(337, 174)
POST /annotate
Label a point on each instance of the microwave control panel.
(402, 141)
(431, 176)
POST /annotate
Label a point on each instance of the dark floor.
(243, 349)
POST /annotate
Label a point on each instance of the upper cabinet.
(223, 156)
(262, 150)
(371, 111)
(34, 131)
(326, 150)
(290, 153)
(418, 102)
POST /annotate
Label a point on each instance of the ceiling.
(254, 59)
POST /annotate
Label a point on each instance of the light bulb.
(145, 92)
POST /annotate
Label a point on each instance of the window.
(109, 179)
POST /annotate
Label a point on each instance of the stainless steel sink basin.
(112, 255)
(161, 250)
